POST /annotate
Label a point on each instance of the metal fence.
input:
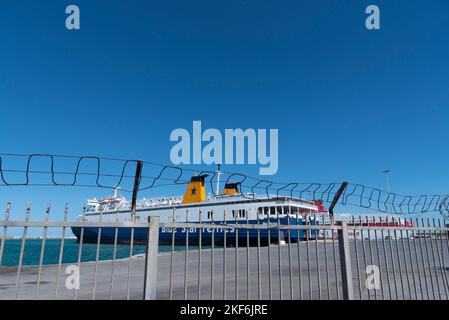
(359, 259)
(119, 277)
(383, 258)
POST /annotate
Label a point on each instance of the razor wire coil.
(354, 195)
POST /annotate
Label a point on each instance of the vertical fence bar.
(259, 284)
(298, 234)
(186, 254)
(446, 234)
(200, 240)
(407, 234)
(80, 253)
(378, 258)
(437, 262)
(41, 258)
(370, 251)
(97, 257)
(422, 260)
(426, 246)
(385, 258)
(417, 261)
(173, 239)
(441, 259)
(236, 260)
(357, 259)
(151, 259)
(61, 250)
(5, 230)
(22, 248)
(289, 252)
(308, 257)
(212, 259)
(130, 260)
(325, 261)
(270, 285)
(433, 258)
(114, 254)
(392, 258)
(137, 179)
(317, 258)
(334, 254)
(225, 229)
(248, 278)
(345, 261)
(279, 250)
(405, 262)
(399, 257)
(334, 202)
(364, 256)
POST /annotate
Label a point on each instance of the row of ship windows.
(272, 211)
(242, 213)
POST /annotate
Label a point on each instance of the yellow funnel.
(196, 192)
(231, 188)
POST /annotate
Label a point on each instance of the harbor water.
(32, 251)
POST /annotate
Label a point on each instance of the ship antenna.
(219, 173)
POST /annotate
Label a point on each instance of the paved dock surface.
(304, 271)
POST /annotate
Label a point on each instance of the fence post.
(137, 178)
(345, 261)
(150, 275)
(335, 200)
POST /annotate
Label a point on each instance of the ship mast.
(219, 173)
(116, 189)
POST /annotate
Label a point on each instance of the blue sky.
(348, 102)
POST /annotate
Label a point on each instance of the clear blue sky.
(348, 102)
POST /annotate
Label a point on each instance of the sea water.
(32, 251)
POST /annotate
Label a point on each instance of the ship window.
(210, 214)
(275, 211)
(241, 213)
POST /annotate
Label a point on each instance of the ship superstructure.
(230, 207)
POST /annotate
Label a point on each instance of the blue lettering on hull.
(90, 234)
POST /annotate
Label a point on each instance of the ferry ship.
(229, 207)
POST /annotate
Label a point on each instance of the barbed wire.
(155, 175)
